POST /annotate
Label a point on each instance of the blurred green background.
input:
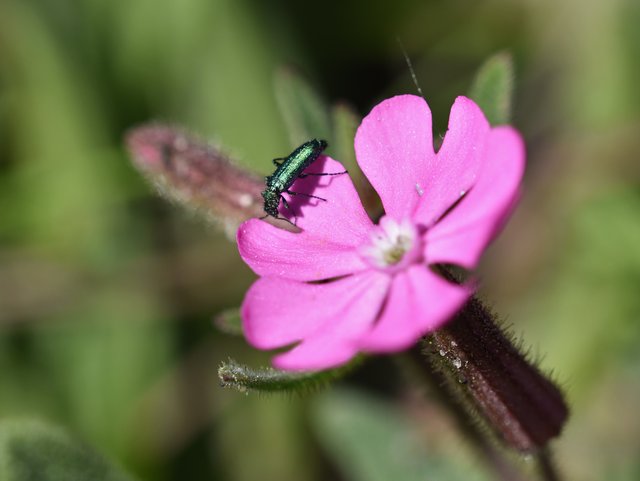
(107, 292)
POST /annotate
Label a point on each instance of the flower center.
(393, 245)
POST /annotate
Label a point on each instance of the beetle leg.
(286, 205)
(302, 176)
(304, 195)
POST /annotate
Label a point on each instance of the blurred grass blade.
(100, 369)
(345, 124)
(305, 113)
(492, 88)
(266, 379)
(373, 440)
(31, 450)
(605, 227)
(229, 321)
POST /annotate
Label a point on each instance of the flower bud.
(195, 174)
(515, 399)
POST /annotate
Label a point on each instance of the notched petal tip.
(394, 148)
(466, 231)
(458, 161)
(464, 106)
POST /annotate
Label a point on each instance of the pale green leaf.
(492, 88)
(305, 113)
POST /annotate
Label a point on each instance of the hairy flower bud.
(515, 399)
(196, 174)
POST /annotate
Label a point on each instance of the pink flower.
(378, 293)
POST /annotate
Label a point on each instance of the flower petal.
(316, 354)
(332, 229)
(277, 312)
(340, 218)
(457, 163)
(419, 302)
(465, 232)
(271, 251)
(394, 148)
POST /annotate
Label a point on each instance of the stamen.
(394, 245)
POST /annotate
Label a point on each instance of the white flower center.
(394, 245)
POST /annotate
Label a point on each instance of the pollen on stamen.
(393, 245)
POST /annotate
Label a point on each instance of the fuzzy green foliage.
(345, 124)
(373, 440)
(305, 113)
(229, 321)
(266, 379)
(34, 451)
(492, 88)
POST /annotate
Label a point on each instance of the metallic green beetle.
(289, 169)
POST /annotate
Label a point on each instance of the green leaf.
(100, 369)
(372, 440)
(594, 292)
(261, 438)
(266, 379)
(345, 124)
(229, 321)
(34, 451)
(492, 88)
(305, 113)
